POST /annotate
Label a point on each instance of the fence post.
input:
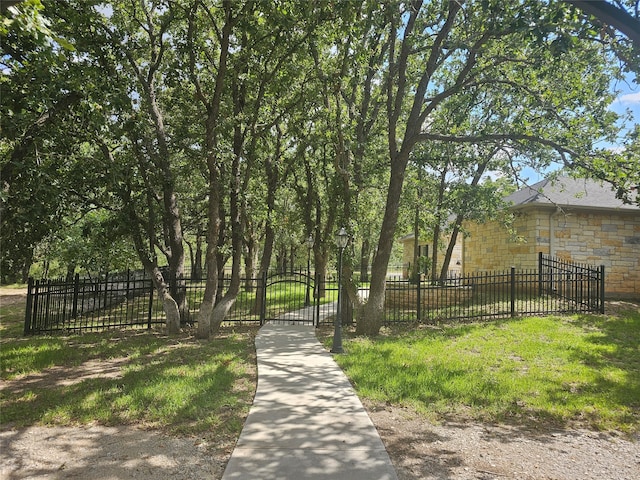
(513, 292)
(76, 289)
(27, 313)
(601, 288)
(316, 300)
(540, 274)
(34, 314)
(47, 305)
(263, 297)
(150, 310)
(419, 306)
(106, 291)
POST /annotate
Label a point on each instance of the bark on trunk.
(414, 272)
(221, 310)
(249, 264)
(196, 273)
(437, 226)
(373, 314)
(320, 260)
(365, 254)
(170, 306)
(461, 216)
(211, 284)
(213, 166)
(450, 247)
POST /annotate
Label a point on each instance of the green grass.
(177, 383)
(580, 370)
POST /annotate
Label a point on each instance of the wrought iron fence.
(129, 301)
(555, 287)
(118, 301)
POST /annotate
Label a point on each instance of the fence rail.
(129, 301)
(553, 288)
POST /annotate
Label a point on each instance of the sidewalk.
(306, 421)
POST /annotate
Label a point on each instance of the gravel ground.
(475, 451)
(106, 453)
(418, 449)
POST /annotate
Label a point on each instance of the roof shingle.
(569, 192)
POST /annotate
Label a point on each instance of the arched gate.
(289, 297)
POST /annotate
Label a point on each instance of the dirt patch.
(422, 450)
(62, 376)
(108, 453)
(418, 449)
(11, 296)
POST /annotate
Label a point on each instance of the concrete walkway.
(306, 421)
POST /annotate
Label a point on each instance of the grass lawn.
(176, 383)
(580, 370)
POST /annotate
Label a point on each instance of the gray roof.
(569, 192)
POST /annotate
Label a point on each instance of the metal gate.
(289, 297)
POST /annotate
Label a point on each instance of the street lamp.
(309, 242)
(342, 237)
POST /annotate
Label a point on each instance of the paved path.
(306, 421)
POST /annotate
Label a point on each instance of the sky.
(627, 98)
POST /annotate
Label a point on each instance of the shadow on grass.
(612, 354)
(176, 383)
(582, 370)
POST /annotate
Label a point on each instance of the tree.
(618, 168)
(615, 16)
(40, 98)
(348, 61)
(248, 66)
(438, 54)
(250, 113)
(95, 242)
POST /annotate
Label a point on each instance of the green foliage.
(128, 108)
(96, 244)
(423, 267)
(620, 168)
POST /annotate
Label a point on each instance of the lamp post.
(342, 237)
(309, 242)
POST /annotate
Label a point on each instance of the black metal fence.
(129, 300)
(556, 286)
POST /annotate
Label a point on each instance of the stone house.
(578, 220)
(425, 249)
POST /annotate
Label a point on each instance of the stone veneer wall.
(609, 239)
(407, 255)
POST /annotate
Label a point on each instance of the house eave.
(625, 210)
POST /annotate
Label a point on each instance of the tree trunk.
(170, 306)
(249, 263)
(414, 273)
(213, 166)
(460, 217)
(373, 314)
(211, 284)
(26, 266)
(221, 310)
(365, 254)
(196, 273)
(450, 247)
(320, 261)
(171, 310)
(437, 226)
